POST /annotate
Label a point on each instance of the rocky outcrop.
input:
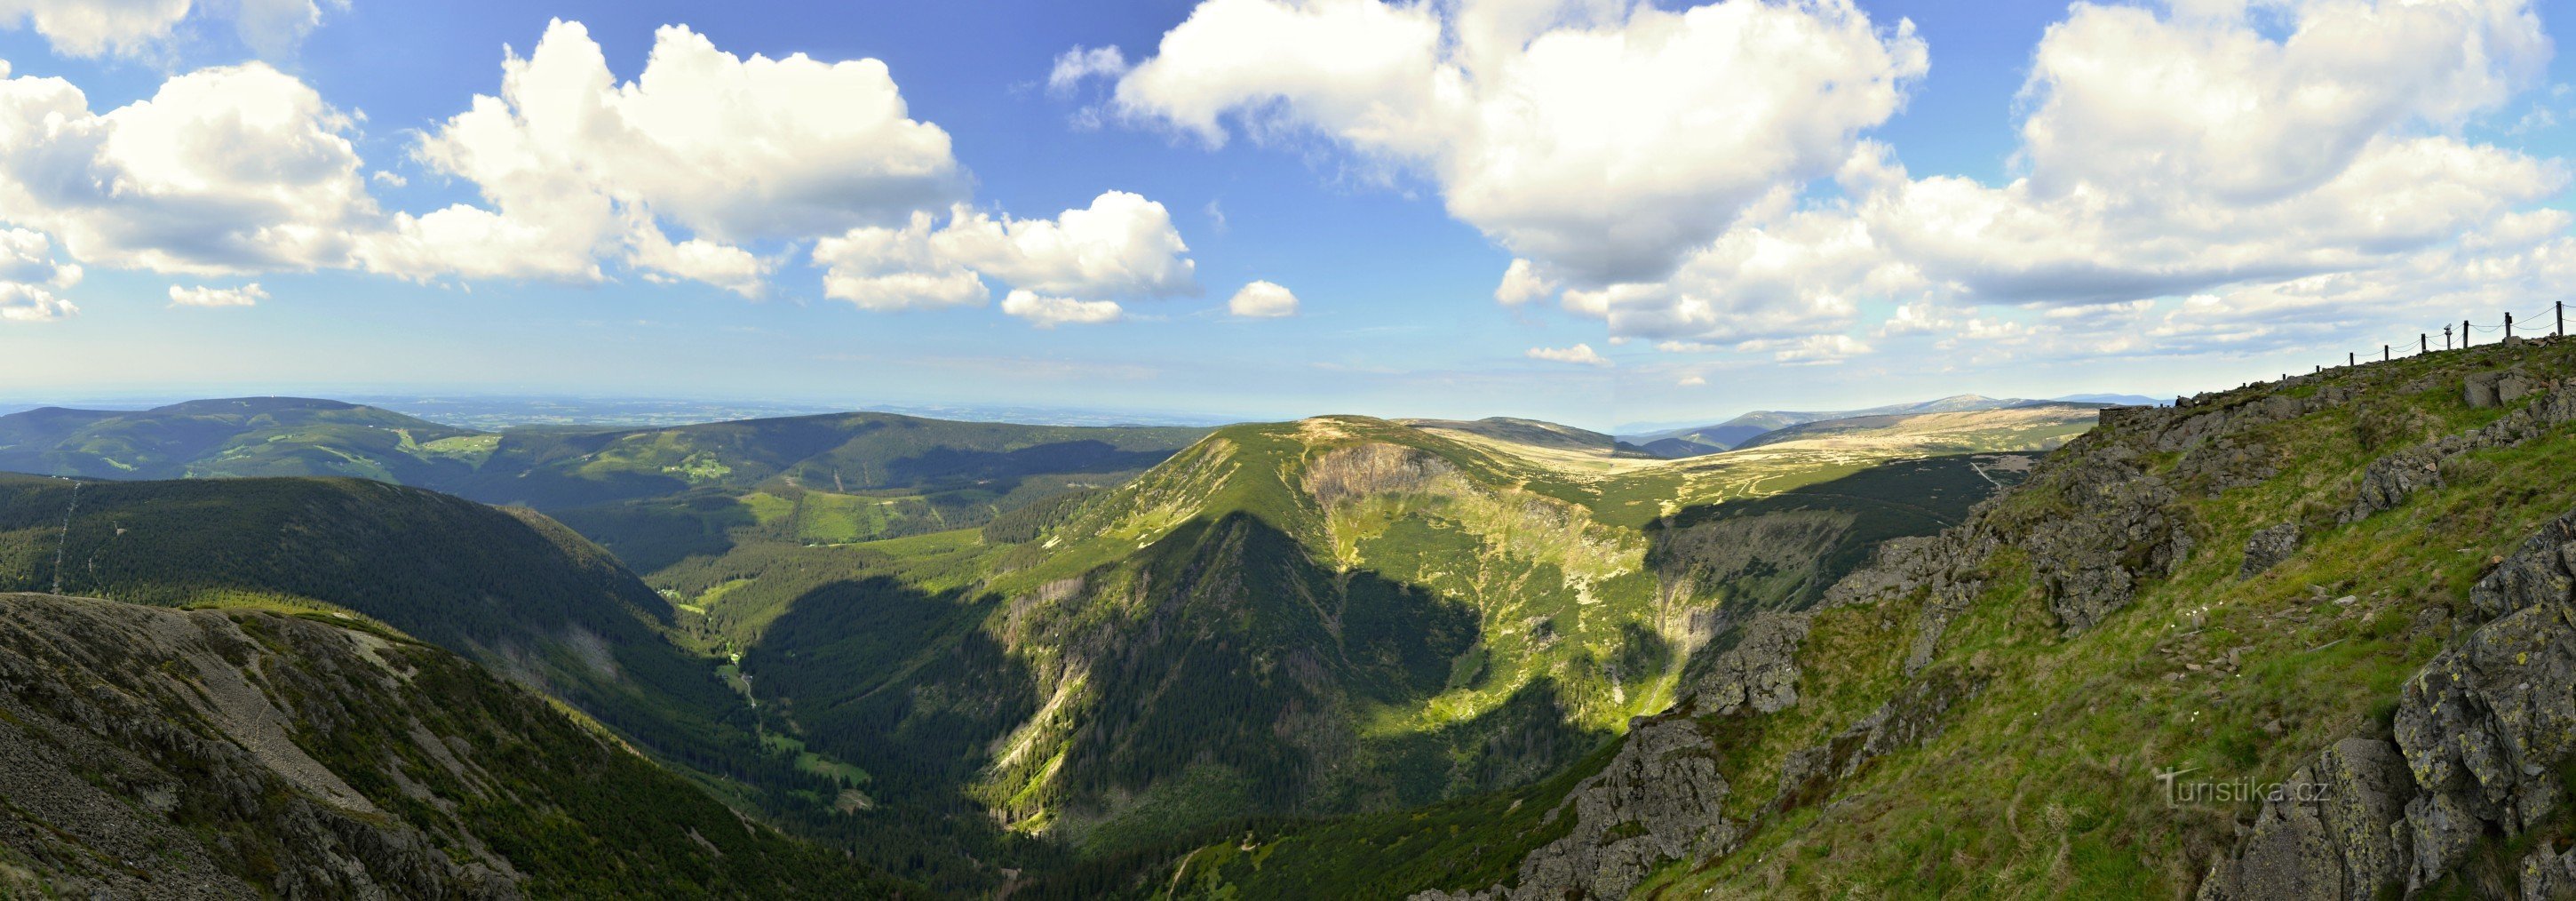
(2481, 733)
(2333, 832)
(2492, 389)
(1913, 716)
(2268, 548)
(1760, 673)
(2224, 464)
(2091, 565)
(1361, 470)
(1661, 799)
(2390, 480)
(114, 702)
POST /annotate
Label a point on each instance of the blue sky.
(1395, 275)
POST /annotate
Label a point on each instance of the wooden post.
(2446, 337)
(2508, 325)
(2464, 334)
(2384, 355)
(2423, 343)
(2562, 319)
(2351, 359)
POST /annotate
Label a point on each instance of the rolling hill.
(1694, 441)
(1328, 616)
(2352, 585)
(1122, 647)
(509, 589)
(653, 495)
(237, 437)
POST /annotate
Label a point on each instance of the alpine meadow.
(1287, 449)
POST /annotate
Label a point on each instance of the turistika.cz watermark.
(2181, 792)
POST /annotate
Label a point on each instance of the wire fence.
(2547, 322)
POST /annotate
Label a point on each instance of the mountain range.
(1334, 657)
(1691, 441)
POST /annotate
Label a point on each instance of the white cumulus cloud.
(1580, 354)
(1262, 300)
(573, 165)
(2218, 149)
(1122, 245)
(223, 170)
(1080, 63)
(96, 27)
(29, 276)
(32, 303)
(1603, 141)
(1049, 312)
(203, 296)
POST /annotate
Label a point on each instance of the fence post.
(2464, 334)
(2508, 325)
(2423, 343)
(2446, 337)
(2562, 319)
(2351, 359)
(2384, 354)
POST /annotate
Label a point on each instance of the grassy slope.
(484, 771)
(241, 437)
(1473, 631)
(2043, 784)
(655, 496)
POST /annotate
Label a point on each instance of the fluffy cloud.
(1262, 300)
(1122, 245)
(573, 165)
(1080, 63)
(1049, 312)
(1602, 140)
(1580, 354)
(29, 275)
(32, 303)
(96, 27)
(1522, 284)
(203, 296)
(224, 170)
(2198, 149)
(90, 28)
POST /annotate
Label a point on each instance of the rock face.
(2490, 389)
(2334, 832)
(2390, 480)
(1660, 799)
(1760, 673)
(115, 701)
(2268, 548)
(2478, 738)
(1914, 715)
(2477, 741)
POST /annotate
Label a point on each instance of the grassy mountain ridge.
(1334, 615)
(509, 589)
(1693, 441)
(235, 437)
(2344, 580)
(654, 495)
(246, 753)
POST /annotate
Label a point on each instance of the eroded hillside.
(2355, 582)
(245, 753)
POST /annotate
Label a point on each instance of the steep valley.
(2299, 639)
(1128, 650)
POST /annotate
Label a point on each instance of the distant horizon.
(417, 404)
